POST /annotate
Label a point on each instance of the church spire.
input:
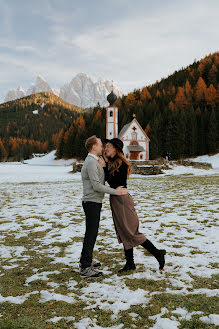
(112, 98)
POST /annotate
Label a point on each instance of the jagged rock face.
(15, 94)
(40, 86)
(81, 91)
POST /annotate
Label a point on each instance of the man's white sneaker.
(90, 272)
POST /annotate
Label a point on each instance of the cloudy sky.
(132, 42)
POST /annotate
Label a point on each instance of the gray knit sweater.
(93, 179)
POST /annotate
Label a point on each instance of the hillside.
(31, 124)
(39, 98)
(179, 113)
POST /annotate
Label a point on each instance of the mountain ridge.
(81, 91)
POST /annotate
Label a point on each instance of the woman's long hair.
(115, 164)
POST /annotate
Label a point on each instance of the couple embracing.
(115, 169)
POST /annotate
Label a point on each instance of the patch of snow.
(11, 252)
(17, 299)
(35, 112)
(164, 323)
(40, 276)
(49, 160)
(37, 171)
(184, 314)
(184, 170)
(56, 319)
(211, 319)
(212, 159)
(47, 296)
(164, 310)
(115, 299)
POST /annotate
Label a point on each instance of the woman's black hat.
(116, 142)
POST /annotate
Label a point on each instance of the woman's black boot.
(157, 253)
(130, 265)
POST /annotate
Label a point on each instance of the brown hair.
(114, 165)
(90, 142)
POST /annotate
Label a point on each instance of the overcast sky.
(132, 42)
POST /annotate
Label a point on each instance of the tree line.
(180, 115)
(32, 125)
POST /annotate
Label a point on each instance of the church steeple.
(112, 98)
(111, 117)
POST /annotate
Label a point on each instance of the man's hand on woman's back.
(121, 190)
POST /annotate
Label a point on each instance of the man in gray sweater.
(93, 179)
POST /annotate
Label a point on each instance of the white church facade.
(134, 138)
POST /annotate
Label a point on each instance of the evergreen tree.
(181, 134)
(212, 133)
(191, 132)
(169, 134)
(60, 144)
(155, 137)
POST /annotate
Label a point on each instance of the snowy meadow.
(42, 227)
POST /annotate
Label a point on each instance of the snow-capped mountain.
(39, 86)
(15, 94)
(81, 91)
(84, 92)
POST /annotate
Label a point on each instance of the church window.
(111, 113)
(134, 133)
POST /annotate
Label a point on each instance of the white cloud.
(141, 44)
(153, 46)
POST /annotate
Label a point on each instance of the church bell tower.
(111, 117)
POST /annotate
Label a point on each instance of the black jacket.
(119, 178)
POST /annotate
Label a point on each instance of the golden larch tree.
(180, 99)
(200, 90)
(211, 95)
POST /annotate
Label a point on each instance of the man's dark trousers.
(92, 213)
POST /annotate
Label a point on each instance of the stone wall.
(153, 167)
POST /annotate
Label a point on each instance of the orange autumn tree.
(188, 91)
(118, 102)
(130, 100)
(200, 90)
(172, 106)
(145, 94)
(147, 129)
(79, 123)
(180, 99)
(98, 115)
(217, 94)
(201, 67)
(212, 74)
(3, 152)
(211, 95)
(13, 143)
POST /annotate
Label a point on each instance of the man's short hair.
(90, 142)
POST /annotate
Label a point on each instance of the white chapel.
(134, 138)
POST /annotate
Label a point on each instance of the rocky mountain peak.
(81, 90)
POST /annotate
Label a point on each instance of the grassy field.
(42, 227)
